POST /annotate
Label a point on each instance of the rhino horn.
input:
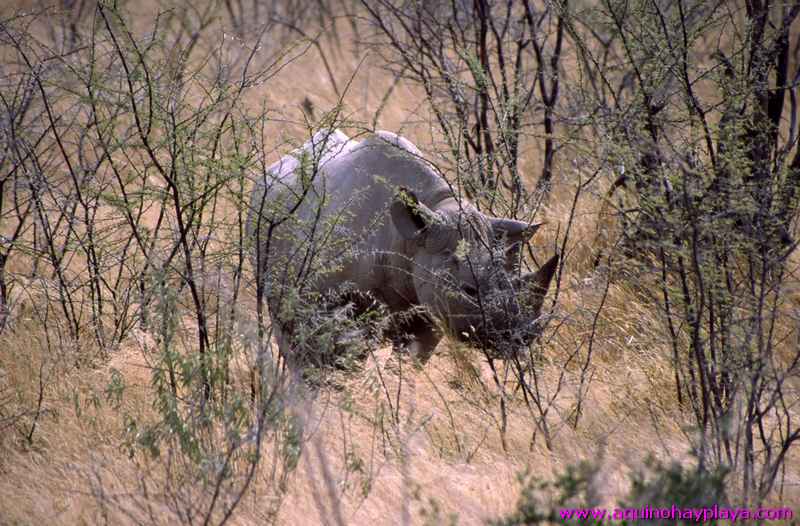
(538, 282)
(409, 215)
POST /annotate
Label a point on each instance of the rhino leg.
(419, 338)
(283, 337)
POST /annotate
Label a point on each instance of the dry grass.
(369, 459)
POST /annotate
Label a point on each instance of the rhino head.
(465, 271)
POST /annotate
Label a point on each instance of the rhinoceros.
(375, 219)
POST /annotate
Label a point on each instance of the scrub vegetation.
(140, 379)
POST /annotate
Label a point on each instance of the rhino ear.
(409, 215)
(515, 234)
(514, 231)
(538, 282)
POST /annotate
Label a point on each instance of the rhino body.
(377, 219)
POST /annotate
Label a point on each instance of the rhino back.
(359, 189)
(336, 225)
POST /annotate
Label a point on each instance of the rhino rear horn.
(409, 215)
(538, 282)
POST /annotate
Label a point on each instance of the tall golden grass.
(415, 445)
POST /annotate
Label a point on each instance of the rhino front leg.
(419, 338)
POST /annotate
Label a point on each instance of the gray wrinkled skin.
(376, 218)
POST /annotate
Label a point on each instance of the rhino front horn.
(538, 282)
